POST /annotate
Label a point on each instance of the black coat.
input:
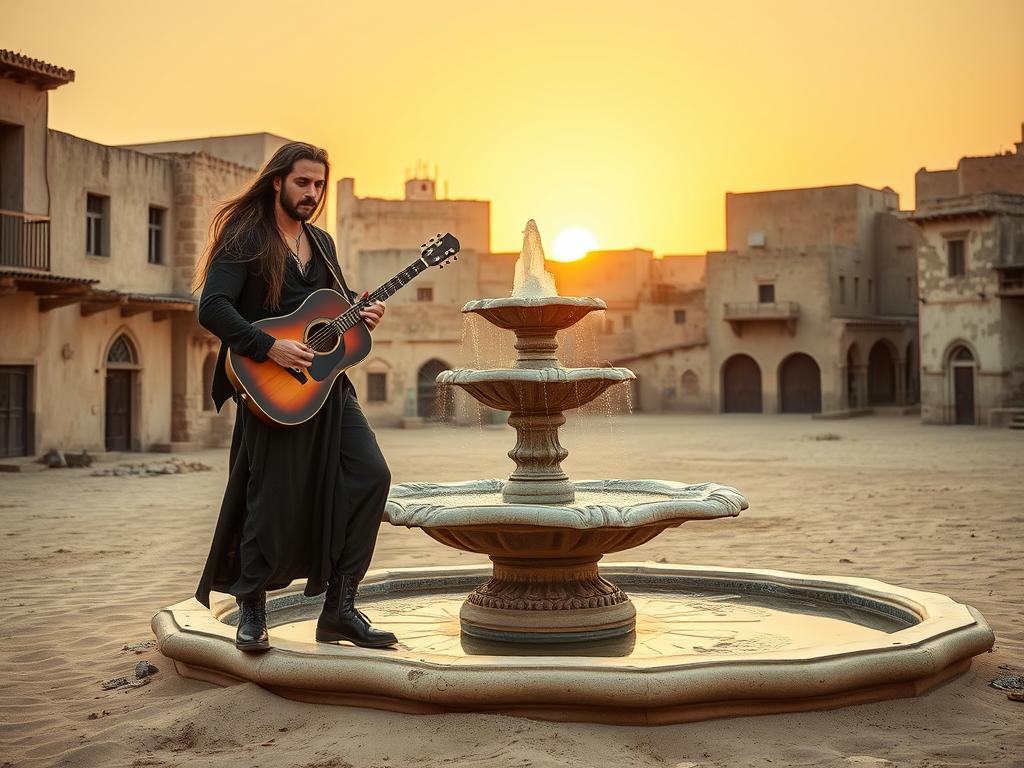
(232, 301)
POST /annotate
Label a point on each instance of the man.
(303, 501)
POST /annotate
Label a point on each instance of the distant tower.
(419, 185)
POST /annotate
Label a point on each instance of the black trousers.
(301, 502)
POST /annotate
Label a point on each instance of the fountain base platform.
(708, 642)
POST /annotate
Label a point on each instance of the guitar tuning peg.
(455, 258)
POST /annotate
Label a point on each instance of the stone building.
(97, 246)
(971, 275)
(812, 306)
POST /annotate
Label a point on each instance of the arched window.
(122, 353)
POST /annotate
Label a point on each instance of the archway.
(432, 402)
(961, 371)
(741, 385)
(799, 384)
(122, 363)
(881, 374)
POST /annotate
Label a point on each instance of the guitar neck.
(350, 318)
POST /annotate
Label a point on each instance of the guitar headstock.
(439, 249)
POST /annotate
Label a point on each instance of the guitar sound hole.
(322, 336)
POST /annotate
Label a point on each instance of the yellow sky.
(629, 118)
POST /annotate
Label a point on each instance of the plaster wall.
(370, 224)
(68, 354)
(133, 182)
(678, 380)
(250, 150)
(25, 107)
(734, 277)
(967, 310)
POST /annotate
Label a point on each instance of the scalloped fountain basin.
(545, 586)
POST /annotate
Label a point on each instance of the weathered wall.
(249, 150)
(895, 274)
(133, 181)
(676, 380)
(967, 310)
(734, 277)
(26, 107)
(370, 224)
(68, 353)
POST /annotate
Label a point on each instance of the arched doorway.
(881, 375)
(432, 402)
(854, 396)
(961, 367)
(741, 385)
(122, 363)
(799, 384)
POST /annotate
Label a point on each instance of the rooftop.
(978, 204)
(22, 69)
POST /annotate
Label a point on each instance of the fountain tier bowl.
(545, 586)
(535, 390)
(710, 642)
(546, 314)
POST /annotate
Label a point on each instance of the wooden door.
(963, 393)
(14, 410)
(741, 385)
(119, 410)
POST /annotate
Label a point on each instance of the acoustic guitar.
(339, 338)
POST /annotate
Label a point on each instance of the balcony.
(785, 313)
(24, 241)
(1011, 281)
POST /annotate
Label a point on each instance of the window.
(96, 225)
(856, 290)
(680, 317)
(955, 251)
(156, 235)
(766, 293)
(376, 387)
(871, 290)
(627, 322)
(425, 293)
(842, 289)
(910, 289)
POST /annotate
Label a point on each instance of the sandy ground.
(86, 561)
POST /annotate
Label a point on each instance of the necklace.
(295, 254)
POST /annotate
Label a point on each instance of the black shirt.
(233, 297)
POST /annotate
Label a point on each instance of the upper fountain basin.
(535, 390)
(539, 315)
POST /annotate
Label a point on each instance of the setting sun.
(573, 243)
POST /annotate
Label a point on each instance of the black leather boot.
(341, 620)
(252, 624)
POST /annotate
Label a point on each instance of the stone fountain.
(546, 632)
(544, 533)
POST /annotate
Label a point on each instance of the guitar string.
(351, 315)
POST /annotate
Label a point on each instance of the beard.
(292, 207)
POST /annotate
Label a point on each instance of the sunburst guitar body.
(333, 328)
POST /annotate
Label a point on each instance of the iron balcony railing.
(24, 240)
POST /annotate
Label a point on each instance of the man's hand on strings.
(291, 354)
(373, 313)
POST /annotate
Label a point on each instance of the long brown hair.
(244, 228)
